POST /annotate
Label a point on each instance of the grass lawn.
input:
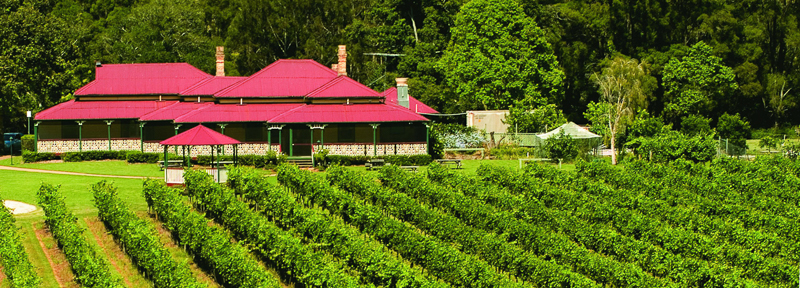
(108, 167)
(22, 186)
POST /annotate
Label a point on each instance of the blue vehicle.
(12, 140)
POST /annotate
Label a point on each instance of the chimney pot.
(335, 67)
(97, 63)
(220, 61)
(402, 91)
(342, 66)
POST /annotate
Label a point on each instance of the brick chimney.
(402, 91)
(220, 61)
(341, 68)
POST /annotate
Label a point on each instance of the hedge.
(400, 160)
(31, 156)
(28, 142)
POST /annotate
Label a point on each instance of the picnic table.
(410, 168)
(170, 163)
(456, 162)
(371, 163)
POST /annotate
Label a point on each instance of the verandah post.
(427, 138)
(141, 135)
(80, 135)
(36, 136)
(108, 124)
(291, 146)
(374, 139)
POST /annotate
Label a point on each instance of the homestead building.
(294, 107)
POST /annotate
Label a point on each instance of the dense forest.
(720, 56)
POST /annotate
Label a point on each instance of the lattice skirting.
(61, 146)
(382, 149)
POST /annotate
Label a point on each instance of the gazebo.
(198, 136)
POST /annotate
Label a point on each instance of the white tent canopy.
(571, 129)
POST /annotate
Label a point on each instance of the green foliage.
(31, 156)
(302, 263)
(697, 82)
(645, 125)
(210, 246)
(398, 199)
(524, 119)
(736, 130)
(17, 266)
(696, 125)
(96, 155)
(28, 142)
(139, 239)
(139, 157)
(674, 145)
(90, 270)
(268, 160)
(561, 146)
(377, 265)
(598, 114)
(497, 55)
(436, 256)
(768, 142)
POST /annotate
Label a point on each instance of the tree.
(695, 125)
(561, 147)
(537, 120)
(497, 55)
(623, 88)
(779, 100)
(697, 82)
(736, 129)
(768, 142)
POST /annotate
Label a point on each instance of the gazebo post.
(219, 180)
(269, 139)
(222, 126)
(165, 159)
(177, 126)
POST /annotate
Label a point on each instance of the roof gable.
(343, 87)
(283, 78)
(143, 79)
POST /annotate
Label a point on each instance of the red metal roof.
(283, 78)
(413, 104)
(199, 135)
(143, 79)
(237, 113)
(174, 111)
(343, 113)
(342, 87)
(212, 85)
(80, 110)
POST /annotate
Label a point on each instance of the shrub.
(139, 157)
(561, 146)
(28, 142)
(514, 152)
(346, 160)
(695, 125)
(736, 129)
(31, 156)
(94, 155)
(408, 160)
(674, 145)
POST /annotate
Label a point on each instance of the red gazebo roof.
(198, 136)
